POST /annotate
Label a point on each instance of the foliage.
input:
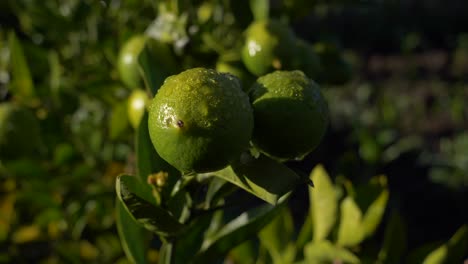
(403, 116)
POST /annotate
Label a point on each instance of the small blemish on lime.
(180, 123)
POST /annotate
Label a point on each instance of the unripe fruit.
(200, 120)
(267, 46)
(128, 62)
(291, 115)
(137, 102)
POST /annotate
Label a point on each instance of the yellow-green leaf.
(373, 215)
(22, 86)
(323, 203)
(351, 231)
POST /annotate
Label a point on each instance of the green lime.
(291, 115)
(19, 132)
(160, 60)
(137, 102)
(200, 120)
(128, 61)
(267, 46)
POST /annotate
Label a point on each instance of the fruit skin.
(128, 61)
(200, 120)
(290, 114)
(19, 132)
(137, 102)
(267, 46)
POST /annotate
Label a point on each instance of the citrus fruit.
(267, 46)
(128, 61)
(159, 56)
(200, 120)
(290, 113)
(137, 102)
(19, 132)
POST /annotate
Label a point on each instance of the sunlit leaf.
(137, 198)
(324, 252)
(244, 253)
(351, 230)
(323, 203)
(260, 9)
(373, 215)
(277, 237)
(451, 252)
(237, 231)
(263, 177)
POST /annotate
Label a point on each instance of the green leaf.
(451, 252)
(305, 235)
(217, 190)
(22, 86)
(131, 235)
(260, 9)
(277, 237)
(263, 177)
(351, 230)
(323, 203)
(245, 253)
(373, 215)
(189, 243)
(118, 122)
(325, 252)
(238, 230)
(148, 160)
(137, 198)
(156, 64)
(394, 240)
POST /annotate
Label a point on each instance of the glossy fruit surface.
(200, 120)
(267, 46)
(128, 62)
(137, 102)
(291, 115)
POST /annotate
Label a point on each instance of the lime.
(19, 132)
(128, 61)
(161, 60)
(200, 120)
(267, 46)
(291, 115)
(137, 102)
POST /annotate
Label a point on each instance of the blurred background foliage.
(394, 73)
